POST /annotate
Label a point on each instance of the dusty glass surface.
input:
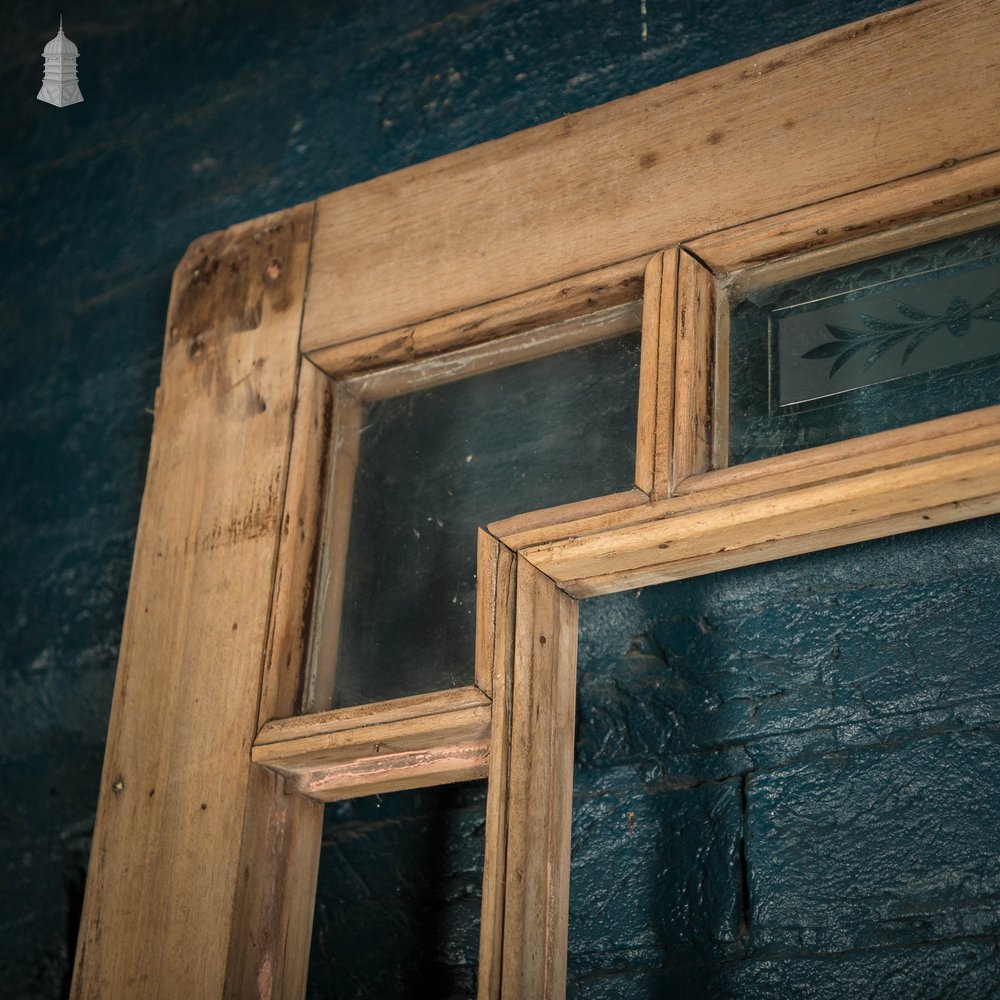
(399, 895)
(435, 465)
(906, 337)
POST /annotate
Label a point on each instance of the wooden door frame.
(203, 866)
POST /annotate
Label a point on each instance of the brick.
(847, 647)
(884, 846)
(959, 970)
(655, 872)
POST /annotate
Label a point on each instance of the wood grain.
(842, 111)
(433, 748)
(539, 790)
(281, 856)
(203, 866)
(654, 435)
(339, 720)
(542, 525)
(961, 191)
(495, 847)
(286, 667)
(573, 298)
(719, 408)
(175, 875)
(842, 459)
(487, 565)
(864, 248)
(885, 450)
(694, 370)
(514, 349)
(721, 532)
(336, 469)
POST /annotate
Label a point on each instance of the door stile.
(172, 890)
(501, 655)
(539, 790)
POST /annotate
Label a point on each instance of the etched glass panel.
(435, 465)
(907, 337)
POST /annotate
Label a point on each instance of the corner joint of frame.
(544, 577)
(687, 249)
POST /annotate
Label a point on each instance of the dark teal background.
(815, 820)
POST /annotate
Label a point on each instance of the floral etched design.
(882, 335)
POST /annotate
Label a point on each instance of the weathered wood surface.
(340, 720)
(202, 870)
(280, 847)
(656, 373)
(903, 93)
(439, 744)
(488, 566)
(465, 360)
(908, 210)
(286, 681)
(538, 525)
(173, 878)
(334, 471)
(576, 297)
(504, 582)
(539, 790)
(902, 480)
(694, 368)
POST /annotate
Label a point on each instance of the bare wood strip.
(286, 659)
(843, 459)
(540, 790)
(514, 531)
(487, 557)
(338, 746)
(289, 845)
(645, 438)
(513, 350)
(866, 247)
(280, 860)
(410, 753)
(654, 445)
(394, 772)
(720, 395)
(856, 531)
(495, 848)
(795, 520)
(378, 713)
(913, 203)
(338, 468)
(181, 899)
(882, 450)
(694, 340)
(533, 207)
(572, 298)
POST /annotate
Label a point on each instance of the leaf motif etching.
(882, 335)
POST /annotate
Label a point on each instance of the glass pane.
(907, 337)
(399, 894)
(790, 771)
(435, 465)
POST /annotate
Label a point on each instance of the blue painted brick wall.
(792, 768)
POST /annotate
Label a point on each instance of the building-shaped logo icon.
(59, 86)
